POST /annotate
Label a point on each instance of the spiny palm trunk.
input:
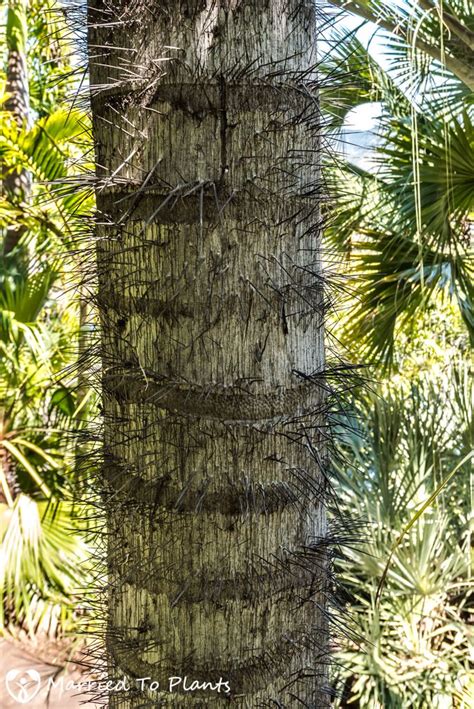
(16, 183)
(206, 129)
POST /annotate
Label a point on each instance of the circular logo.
(23, 685)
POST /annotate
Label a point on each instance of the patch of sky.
(359, 138)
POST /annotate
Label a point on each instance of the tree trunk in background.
(17, 183)
(207, 139)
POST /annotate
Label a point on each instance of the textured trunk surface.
(206, 129)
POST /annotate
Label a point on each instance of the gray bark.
(207, 139)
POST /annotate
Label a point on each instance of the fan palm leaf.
(440, 31)
(401, 445)
(406, 222)
(43, 560)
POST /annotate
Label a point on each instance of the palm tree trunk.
(207, 140)
(16, 183)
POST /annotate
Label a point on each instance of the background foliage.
(402, 222)
(42, 551)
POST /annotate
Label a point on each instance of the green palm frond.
(42, 561)
(446, 176)
(41, 547)
(356, 192)
(40, 149)
(53, 75)
(416, 645)
(432, 30)
(397, 281)
(350, 77)
(408, 234)
(26, 297)
(18, 456)
(34, 349)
